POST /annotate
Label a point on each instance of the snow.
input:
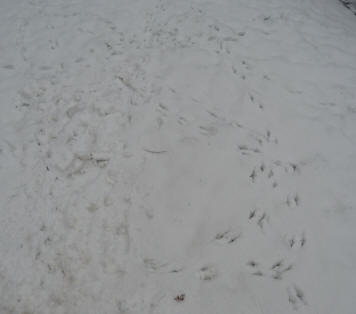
(177, 157)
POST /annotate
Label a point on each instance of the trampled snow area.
(177, 157)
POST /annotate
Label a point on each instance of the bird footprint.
(228, 236)
(296, 296)
(208, 273)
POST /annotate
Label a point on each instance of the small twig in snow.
(155, 151)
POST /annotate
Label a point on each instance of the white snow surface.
(183, 156)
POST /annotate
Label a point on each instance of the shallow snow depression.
(177, 157)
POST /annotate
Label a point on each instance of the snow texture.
(191, 156)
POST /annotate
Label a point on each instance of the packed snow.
(191, 156)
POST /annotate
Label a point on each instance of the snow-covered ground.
(177, 157)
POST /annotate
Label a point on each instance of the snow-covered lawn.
(177, 157)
